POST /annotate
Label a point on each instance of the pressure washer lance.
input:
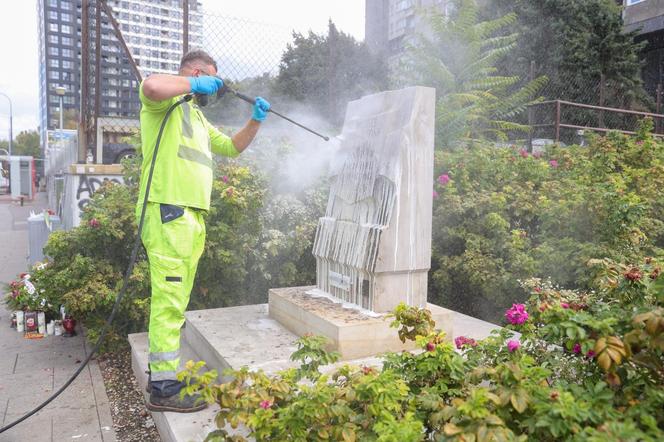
(202, 100)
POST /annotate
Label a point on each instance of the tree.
(27, 142)
(458, 56)
(574, 43)
(327, 71)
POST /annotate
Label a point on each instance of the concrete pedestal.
(353, 332)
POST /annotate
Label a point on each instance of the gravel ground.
(131, 420)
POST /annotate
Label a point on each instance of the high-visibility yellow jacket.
(183, 172)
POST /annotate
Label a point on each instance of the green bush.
(87, 265)
(586, 366)
(502, 215)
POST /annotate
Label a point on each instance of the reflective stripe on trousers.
(173, 238)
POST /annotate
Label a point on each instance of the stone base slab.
(353, 332)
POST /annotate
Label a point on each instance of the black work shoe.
(188, 404)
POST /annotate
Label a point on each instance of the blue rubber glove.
(261, 106)
(205, 84)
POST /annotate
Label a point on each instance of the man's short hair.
(198, 55)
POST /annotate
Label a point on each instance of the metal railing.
(551, 118)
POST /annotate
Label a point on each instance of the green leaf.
(519, 400)
(348, 435)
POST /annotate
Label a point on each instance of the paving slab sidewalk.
(30, 370)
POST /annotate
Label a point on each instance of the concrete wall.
(81, 183)
(647, 15)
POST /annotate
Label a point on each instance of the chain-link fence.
(575, 102)
(140, 37)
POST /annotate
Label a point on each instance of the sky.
(18, 34)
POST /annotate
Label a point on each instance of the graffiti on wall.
(88, 185)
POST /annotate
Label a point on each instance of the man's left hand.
(261, 107)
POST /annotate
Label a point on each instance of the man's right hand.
(205, 84)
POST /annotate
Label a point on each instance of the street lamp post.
(60, 92)
(11, 135)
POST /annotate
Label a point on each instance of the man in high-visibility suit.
(174, 230)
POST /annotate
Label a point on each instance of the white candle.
(41, 322)
(20, 321)
(50, 328)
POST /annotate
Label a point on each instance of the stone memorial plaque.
(373, 246)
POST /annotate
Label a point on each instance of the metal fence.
(574, 102)
(123, 42)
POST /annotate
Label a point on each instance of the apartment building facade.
(390, 24)
(152, 30)
(646, 17)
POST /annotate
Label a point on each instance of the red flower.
(634, 274)
(224, 179)
(523, 153)
(538, 289)
(553, 163)
(564, 305)
(577, 348)
(94, 223)
(229, 192)
(431, 346)
(265, 405)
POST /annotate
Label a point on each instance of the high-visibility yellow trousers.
(174, 238)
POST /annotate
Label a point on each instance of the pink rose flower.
(577, 348)
(523, 153)
(517, 315)
(590, 354)
(224, 179)
(553, 163)
(564, 305)
(462, 341)
(265, 405)
(443, 179)
(513, 345)
(435, 194)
